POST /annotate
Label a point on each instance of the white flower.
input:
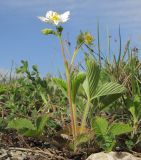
(55, 18)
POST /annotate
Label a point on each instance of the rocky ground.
(30, 154)
(15, 147)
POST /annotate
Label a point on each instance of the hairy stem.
(72, 107)
(68, 77)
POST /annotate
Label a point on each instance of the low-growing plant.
(126, 70)
(28, 128)
(90, 80)
(106, 133)
(83, 38)
(95, 90)
(27, 99)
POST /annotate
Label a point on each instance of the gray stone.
(18, 155)
(3, 153)
(112, 156)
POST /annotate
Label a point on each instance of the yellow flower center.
(55, 17)
(88, 38)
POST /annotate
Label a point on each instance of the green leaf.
(120, 128)
(104, 139)
(35, 68)
(93, 75)
(137, 99)
(100, 126)
(43, 98)
(83, 138)
(134, 106)
(61, 84)
(48, 31)
(21, 123)
(76, 82)
(3, 89)
(133, 112)
(23, 68)
(107, 143)
(86, 87)
(108, 99)
(41, 123)
(110, 88)
(28, 132)
(130, 144)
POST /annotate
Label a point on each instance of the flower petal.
(44, 19)
(55, 18)
(56, 22)
(49, 14)
(65, 16)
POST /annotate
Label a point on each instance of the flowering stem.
(72, 107)
(63, 52)
(68, 77)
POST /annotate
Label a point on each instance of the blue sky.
(20, 36)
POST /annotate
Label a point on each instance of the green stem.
(72, 114)
(63, 52)
(83, 123)
(74, 55)
(68, 77)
